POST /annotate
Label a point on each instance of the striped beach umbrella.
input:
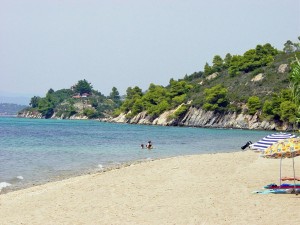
(269, 140)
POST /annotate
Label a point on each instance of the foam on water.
(4, 185)
(100, 166)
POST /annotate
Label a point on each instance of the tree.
(137, 107)
(250, 59)
(34, 102)
(114, 95)
(156, 110)
(288, 46)
(272, 109)
(253, 104)
(207, 69)
(217, 63)
(215, 98)
(47, 104)
(235, 63)
(46, 107)
(132, 95)
(83, 86)
(268, 49)
(297, 45)
(267, 109)
(154, 96)
(50, 91)
(295, 86)
(288, 111)
(90, 113)
(295, 81)
(227, 60)
(178, 88)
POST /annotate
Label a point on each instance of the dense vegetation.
(227, 85)
(81, 100)
(156, 100)
(263, 81)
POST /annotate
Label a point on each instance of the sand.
(199, 189)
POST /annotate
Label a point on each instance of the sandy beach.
(198, 189)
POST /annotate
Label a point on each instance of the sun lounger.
(290, 178)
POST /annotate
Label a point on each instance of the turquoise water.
(35, 151)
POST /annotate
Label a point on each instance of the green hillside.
(240, 87)
(259, 80)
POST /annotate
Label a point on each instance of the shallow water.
(37, 150)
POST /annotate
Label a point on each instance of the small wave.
(4, 185)
(20, 177)
(100, 166)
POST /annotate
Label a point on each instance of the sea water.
(34, 151)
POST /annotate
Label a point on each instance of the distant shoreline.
(8, 115)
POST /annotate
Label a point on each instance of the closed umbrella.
(269, 140)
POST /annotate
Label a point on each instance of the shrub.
(90, 113)
(288, 111)
(215, 98)
(253, 104)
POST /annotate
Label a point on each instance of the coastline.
(62, 177)
(214, 188)
(193, 118)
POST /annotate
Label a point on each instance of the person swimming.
(149, 145)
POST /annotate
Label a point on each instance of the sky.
(125, 43)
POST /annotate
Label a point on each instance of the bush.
(253, 104)
(288, 111)
(90, 113)
(215, 98)
(182, 110)
(257, 71)
(156, 110)
(267, 110)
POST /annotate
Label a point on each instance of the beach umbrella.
(287, 148)
(269, 140)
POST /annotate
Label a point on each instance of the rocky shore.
(199, 118)
(194, 117)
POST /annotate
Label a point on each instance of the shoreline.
(215, 188)
(90, 171)
(285, 128)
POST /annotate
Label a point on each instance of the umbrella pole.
(280, 172)
(294, 174)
